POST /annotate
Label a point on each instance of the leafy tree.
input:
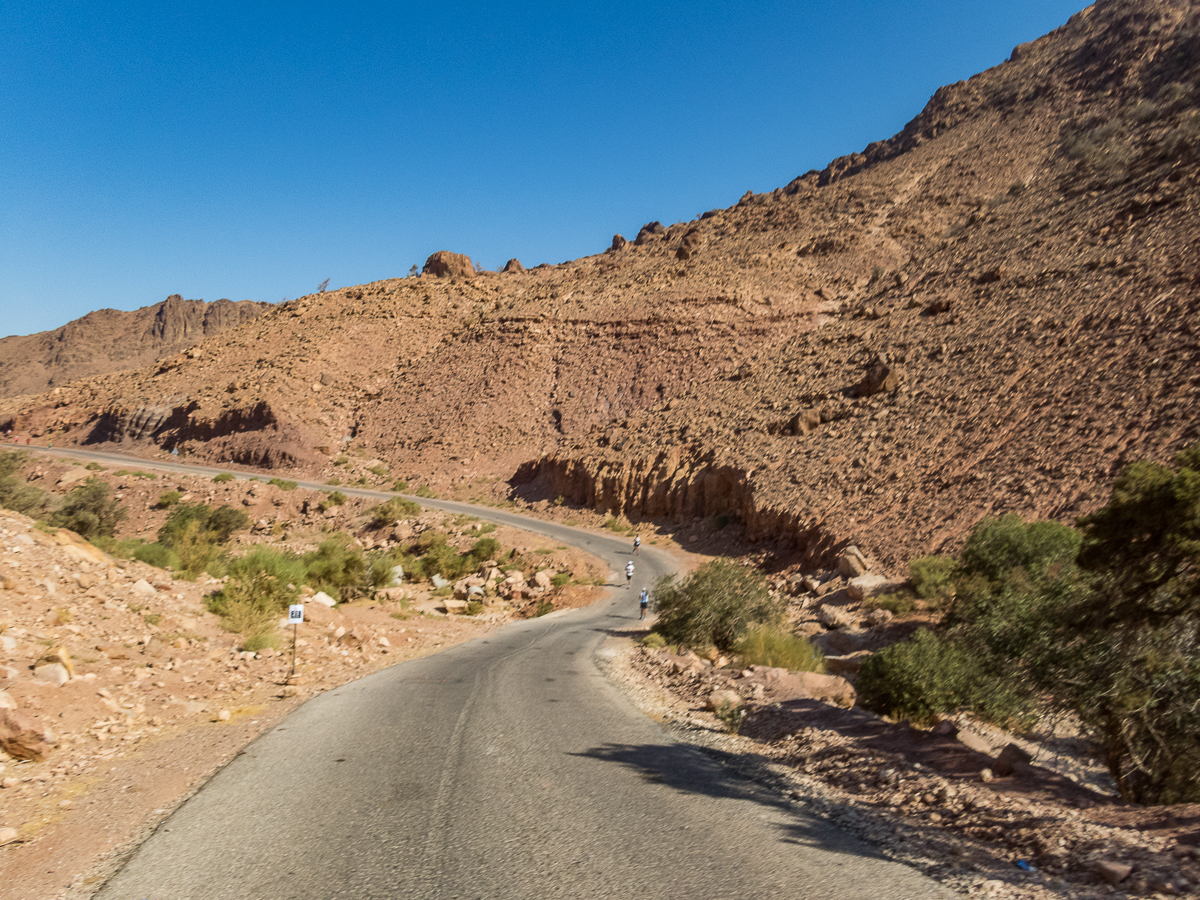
(89, 509)
(714, 605)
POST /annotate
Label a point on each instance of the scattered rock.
(23, 737)
(1112, 872)
(8, 835)
(323, 598)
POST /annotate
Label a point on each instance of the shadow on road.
(719, 774)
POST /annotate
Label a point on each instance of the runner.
(628, 573)
(637, 543)
(644, 603)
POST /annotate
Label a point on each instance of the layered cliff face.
(110, 340)
(990, 312)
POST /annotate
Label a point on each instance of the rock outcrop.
(445, 264)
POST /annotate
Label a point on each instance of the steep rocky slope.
(110, 340)
(992, 311)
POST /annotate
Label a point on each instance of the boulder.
(1112, 872)
(6, 701)
(8, 835)
(513, 265)
(849, 664)
(618, 242)
(55, 673)
(1011, 759)
(837, 616)
(397, 577)
(143, 589)
(782, 685)
(445, 264)
(723, 697)
(455, 606)
(878, 378)
(544, 579)
(852, 563)
(323, 598)
(865, 586)
(439, 582)
(23, 737)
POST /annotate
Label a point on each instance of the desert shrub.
(930, 676)
(378, 471)
(474, 607)
(156, 555)
(933, 577)
(392, 511)
(251, 603)
(767, 646)
(283, 484)
(219, 524)
(562, 579)
(223, 477)
(89, 509)
(654, 641)
(544, 608)
(285, 568)
(400, 486)
(714, 605)
(730, 715)
(336, 498)
(337, 568)
(14, 493)
(423, 491)
(900, 603)
(94, 467)
(998, 546)
(1102, 149)
(168, 499)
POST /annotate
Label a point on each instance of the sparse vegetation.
(393, 511)
(731, 715)
(283, 484)
(713, 606)
(329, 501)
(768, 646)
(14, 493)
(168, 499)
(223, 477)
(90, 510)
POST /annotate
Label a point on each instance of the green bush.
(14, 493)
(168, 499)
(562, 579)
(654, 641)
(474, 607)
(223, 477)
(283, 484)
(930, 676)
(156, 555)
(393, 511)
(713, 606)
(337, 498)
(94, 467)
(901, 603)
(933, 577)
(998, 546)
(423, 491)
(767, 646)
(90, 510)
(338, 568)
(731, 715)
(400, 486)
(378, 471)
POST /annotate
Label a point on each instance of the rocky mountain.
(110, 340)
(992, 311)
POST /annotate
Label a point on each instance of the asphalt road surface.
(507, 767)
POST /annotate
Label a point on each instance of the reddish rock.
(23, 737)
(445, 264)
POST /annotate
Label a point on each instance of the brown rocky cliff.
(110, 340)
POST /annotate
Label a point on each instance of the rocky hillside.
(992, 311)
(110, 340)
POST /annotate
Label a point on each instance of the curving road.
(507, 767)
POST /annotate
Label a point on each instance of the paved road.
(507, 767)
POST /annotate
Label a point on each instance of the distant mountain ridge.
(111, 340)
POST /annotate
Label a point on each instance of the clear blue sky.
(251, 150)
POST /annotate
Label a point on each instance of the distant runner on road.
(628, 573)
(644, 603)
(637, 543)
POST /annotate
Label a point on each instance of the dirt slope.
(992, 311)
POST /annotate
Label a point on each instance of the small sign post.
(295, 617)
